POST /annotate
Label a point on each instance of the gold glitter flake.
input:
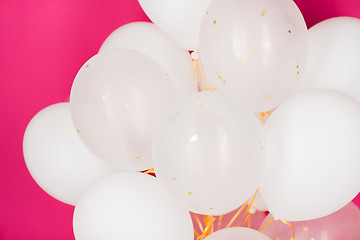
(137, 157)
(256, 51)
(190, 193)
(87, 66)
(269, 96)
(214, 21)
(263, 13)
(289, 31)
(218, 75)
(78, 130)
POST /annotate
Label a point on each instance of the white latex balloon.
(313, 155)
(179, 19)
(334, 55)
(254, 50)
(237, 233)
(130, 206)
(259, 203)
(116, 101)
(56, 157)
(203, 143)
(148, 39)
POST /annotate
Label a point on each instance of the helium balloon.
(132, 206)
(254, 50)
(343, 224)
(313, 152)
(202, 144)
(179, 19)
(148, 39)
(56, 157)
(333, 59)
(116, 100)
(237, 233)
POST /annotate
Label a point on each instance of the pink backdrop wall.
(43, 43)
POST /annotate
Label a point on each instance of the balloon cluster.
(144, 104)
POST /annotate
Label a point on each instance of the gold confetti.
(256, 51)
(262, 147)
(269, 96)
(263, 13)
(298, 73)
(220, 78)
(207, 12)
(174, 178)
(78, 130)
(87, 66)
(297, 66)
(137, 157)
(289, 31)
(211, 208)
(214, 21)
(167, 74)
(190, 193)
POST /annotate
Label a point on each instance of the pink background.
(43, 43)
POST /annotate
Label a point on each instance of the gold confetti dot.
(298, 73)
(197, 156)
(137, 157)
(207, 12)
(218, 75)
(262, 148)
(269, 96)
(87, 66)
(190, 193)
(289, 31)
(174, 178)
(167, 74)
(263, 13)
(256, 51)
(297, 66)
(214, 21)
(127, 105)
(78, 130)
(211, 208)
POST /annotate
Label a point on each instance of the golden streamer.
(196, 64)
(207, 231)
(219, 222)
(263, 116)
(199, 223)
(249, 222)
(285, 222)
(236, 215)
(151, 170)
(247, 214)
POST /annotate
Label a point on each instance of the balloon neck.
(195, 55)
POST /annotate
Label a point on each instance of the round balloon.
(254, 50)
(333, 64)
(179, 19)
(56, 157)
(148, 39)
(343, 224)
(313, 152)
(132, 206)
(259, 203)
(116, 100)
(202, 144)
(236, 234)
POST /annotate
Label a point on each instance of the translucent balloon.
(179, 19)
(56, 157)
(202, 144)
(116, 100)
(254, 50)
(343, 224)
(313, 155)
(148, 39)
(237, 234)
(333, 61)
(130, 206)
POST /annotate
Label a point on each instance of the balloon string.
(247, 214)
(196, 64)
(209, 224)
(249, 222)
(285, 222)
(219, 222)
(199, 223)
(236, 215)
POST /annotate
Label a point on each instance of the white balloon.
(254, 50)
(56, 157)
(148, 39)
(237, 233)
(206, 150)
(313, 153)
(179, 19)
(116, 101)
(130, 206)
(334, 55)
